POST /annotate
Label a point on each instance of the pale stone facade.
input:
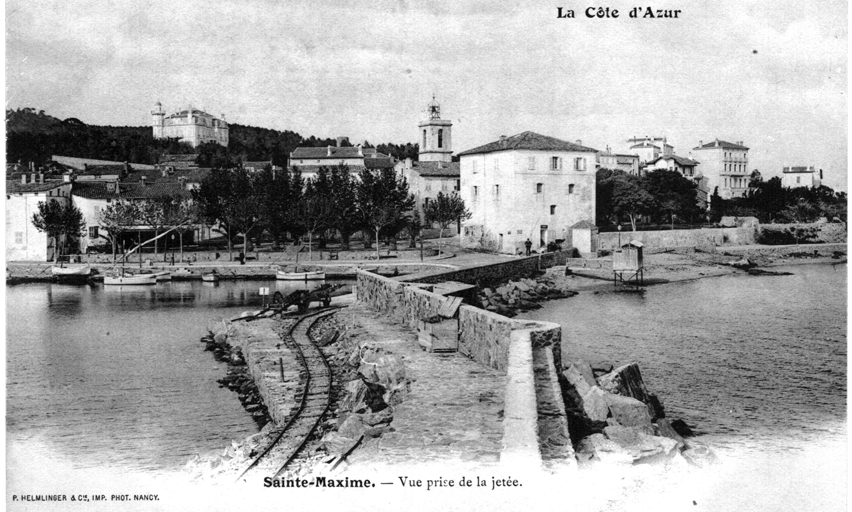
(526, 186)
(725, 165)
(193, 126)
(794, 177)
(626, 162)
(23, 241)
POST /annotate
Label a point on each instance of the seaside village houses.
(308, 160)
(725, 166)
(434, 172)
(795, 177)
(527, 186)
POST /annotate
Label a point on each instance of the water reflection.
(115, 375)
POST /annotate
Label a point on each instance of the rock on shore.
(613, 418)
(522, 295)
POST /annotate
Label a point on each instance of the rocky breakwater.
(238, 379)
(372, 381)
(613, 418)
(522, 295)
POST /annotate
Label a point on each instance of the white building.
(308, 160)
(725, 165)
(527, 186)
(23, 241)
(794, 177)
(193, 126)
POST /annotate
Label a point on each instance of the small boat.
(317, 275)
(131, 279)
(212, 277)
(164, 275)
(83, 270)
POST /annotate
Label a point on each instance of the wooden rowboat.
(210, 278)
(300, 276)
(83, 270)
(128, 280)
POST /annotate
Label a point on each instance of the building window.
(19, 237)
(475, 167)
(496, 164)
(579, 164)
(520, 232)
(553, 209)
(440, 138)
(798, 179)
(497, 191)
(538, 188)
(443, 184)
(571, 188)
(555, 163)
(424, 140)
(458, 186)
(531, 163)
(475, 191)
(93, 232)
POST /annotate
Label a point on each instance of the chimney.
(143, 178)
(607, 150)
(329, 151)
(66, 178)
(24, 179)
(85, 167)
(360, 150)
(33, 178)
(700, 143)
(579, 142)
(110, 186)
(41, 177)
(126, 167)
(717, 143)
(503, 141)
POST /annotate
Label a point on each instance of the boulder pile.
(522, 295)
(612, 417)
(375, 381)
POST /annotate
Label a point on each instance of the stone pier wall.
(493, 273)
(489, 339)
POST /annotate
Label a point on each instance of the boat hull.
(300, 276)
(131, 280)
(210, 278)
(72, 271)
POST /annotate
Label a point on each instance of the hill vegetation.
(33, 135)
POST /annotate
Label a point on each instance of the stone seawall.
(493, 273)
(494, 341)
(707, 237)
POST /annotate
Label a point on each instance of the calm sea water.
(116, 377)
(754, 363)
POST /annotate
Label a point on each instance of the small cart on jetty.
(303, 298)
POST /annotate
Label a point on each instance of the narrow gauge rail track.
(291, 437)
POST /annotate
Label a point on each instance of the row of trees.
(377, 203)
(659, 196)
(769, 201)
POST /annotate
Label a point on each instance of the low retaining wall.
(488, 338)
(680, 238)
(494, 273)
(781, 250)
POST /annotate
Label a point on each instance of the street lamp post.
(619, 235)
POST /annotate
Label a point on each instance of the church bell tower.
(436, 141)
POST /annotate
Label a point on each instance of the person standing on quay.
(528, 245)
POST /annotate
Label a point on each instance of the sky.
(772, 74)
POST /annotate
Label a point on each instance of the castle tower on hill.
(190, 125)
(436, 141)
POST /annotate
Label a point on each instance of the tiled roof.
(529, 141)
(101, 169)
(318, 153)
(685, 162)
(179, 158)
(16, 187)
(720, 144)
(584, 224)
(258, 165)
(378, 163)
(195, 175)
(353, 169)
(98, 190)
(643, 145)
(195, 111)
(448, 169)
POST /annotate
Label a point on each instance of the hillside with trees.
(33, 135)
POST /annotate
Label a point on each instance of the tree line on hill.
(34, 136)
